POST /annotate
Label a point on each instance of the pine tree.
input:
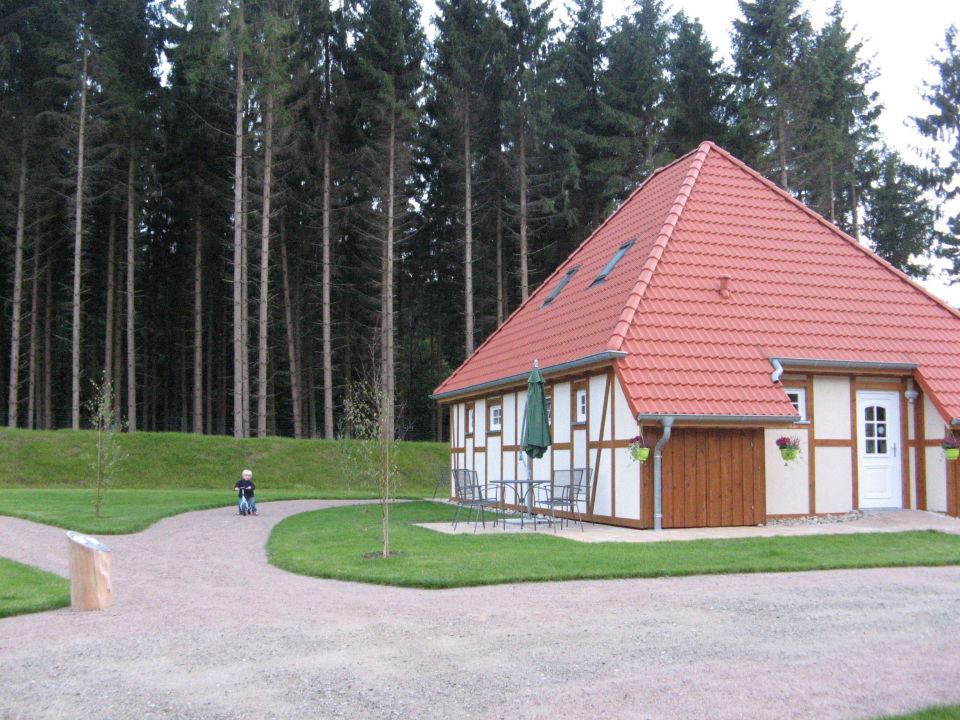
(899, 221)
(771, 45)
(697, 94)
(943, 126)
(633, 88)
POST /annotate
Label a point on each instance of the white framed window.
(469, 430)
(549, 409)
(798, 398)
(496, 418)
(581, 405)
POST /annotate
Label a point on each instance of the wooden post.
(91, 585)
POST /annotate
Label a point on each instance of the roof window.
(560, 286)
(613, 262)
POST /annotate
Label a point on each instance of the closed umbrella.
(536, 431)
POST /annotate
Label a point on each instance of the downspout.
(658, 472)
(777, 370)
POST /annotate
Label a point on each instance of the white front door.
(878, 445)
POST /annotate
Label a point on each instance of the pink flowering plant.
(950, 443)
(788, 443)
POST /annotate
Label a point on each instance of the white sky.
(899, 39)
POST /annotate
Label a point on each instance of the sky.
(898, 38)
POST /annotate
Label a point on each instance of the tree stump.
(91, 585)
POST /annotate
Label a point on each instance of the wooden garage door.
(713, 478)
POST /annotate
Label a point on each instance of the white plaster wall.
(933, 423)
(831, 401)
(510, 429)
(936, 479)
(560, 427)
(626, 423)
(494, 444)
(597, 386)
(834, 479)
(480, 422)
(458, 411)
(601, 505)
(580, 447)
(787, 483)
(628, 484)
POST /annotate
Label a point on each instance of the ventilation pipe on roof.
(667, 423)
(725, 286)
(777, 370)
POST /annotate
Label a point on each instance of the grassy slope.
(63, 458)
(47, 476)
(25, 589)
(330, 543)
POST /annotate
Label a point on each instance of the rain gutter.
(667, 423)
(606, 355)
(779, 362)
(719, 418)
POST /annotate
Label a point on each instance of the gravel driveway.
(203, 628)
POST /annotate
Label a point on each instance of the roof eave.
(605, 356)
(719, 418)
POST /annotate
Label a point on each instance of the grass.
(63, 458)
(25, 589)
(940, 712)
(125, 511)
(331, 543)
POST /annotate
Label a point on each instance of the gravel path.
(204, 629)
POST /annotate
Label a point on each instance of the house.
(714, 313)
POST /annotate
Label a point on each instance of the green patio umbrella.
(536, 434)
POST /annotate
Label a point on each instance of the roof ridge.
(566, 262)
(659, 245)
(903, 277)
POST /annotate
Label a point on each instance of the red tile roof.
(799, 288)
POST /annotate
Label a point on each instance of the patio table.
(524, 491)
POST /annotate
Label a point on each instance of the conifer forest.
(234, 213)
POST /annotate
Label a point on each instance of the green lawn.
(25, 589)
(331, 543)
(941, 712)
(129, 511)
(62, 458)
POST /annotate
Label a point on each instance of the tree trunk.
(387, 429)
(238, 222)
(854, 208)
(34, 339)
(131, 295)
(832, 191)
(782, 146)
(108, 323)
(468, 232)
(263, 319)
(524, 271)
(78, 252)
(292, 352)
(47, 350)
(13, 396)
(245, 293)
(198, 328)
(325, 290)
(501, 304)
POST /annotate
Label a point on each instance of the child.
(245, 488)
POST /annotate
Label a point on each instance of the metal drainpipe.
(667, 423)
(777, 370)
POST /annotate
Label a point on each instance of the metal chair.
(441, 476)
(565, 491)
(470, 495)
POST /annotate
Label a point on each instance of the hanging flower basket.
(638, 448)
(951, 447)
(789, 447)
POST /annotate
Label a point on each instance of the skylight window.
(613, 262)
(560, 286)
